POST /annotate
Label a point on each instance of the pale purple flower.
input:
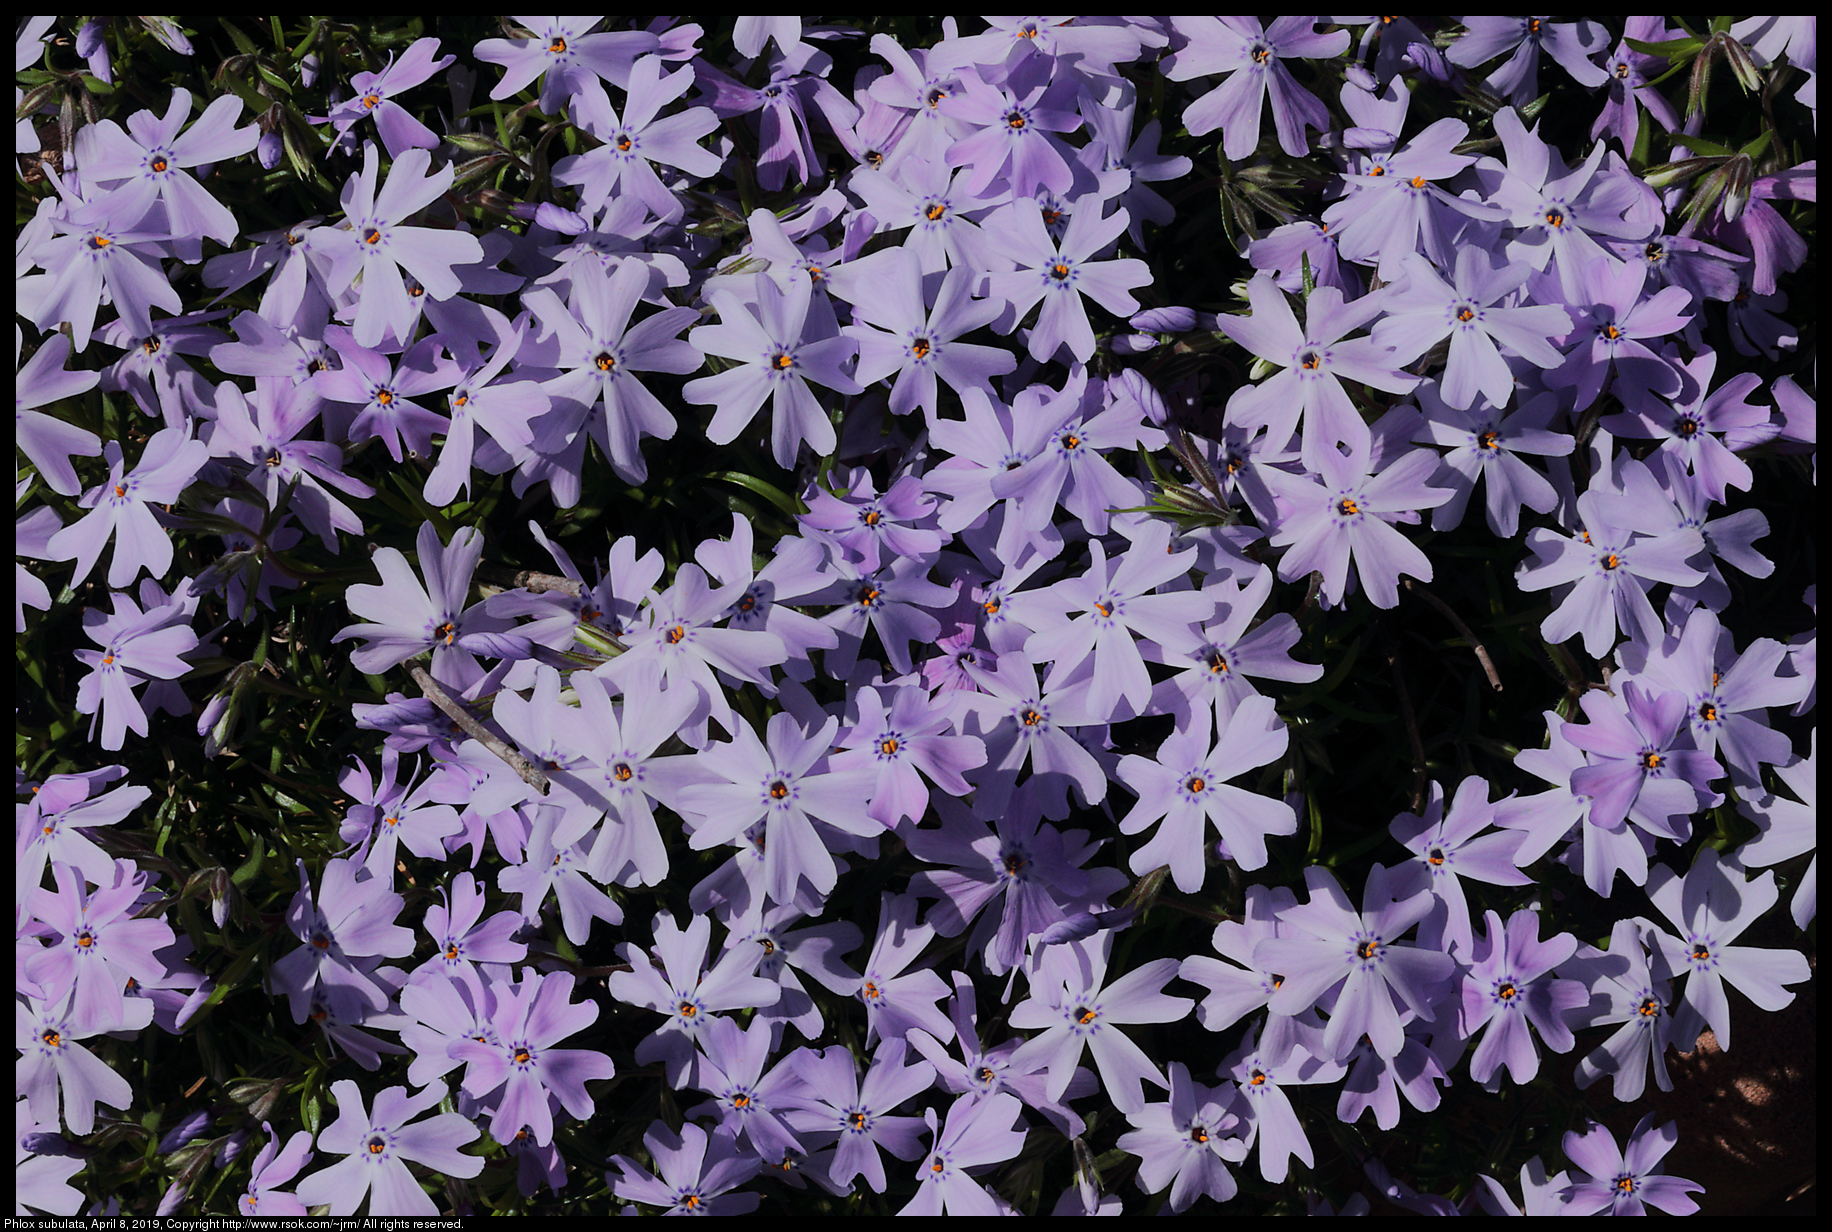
(1118, 608)
(599, 352)
(1473, 314)
(1624, 989)
(1219, 660)
(1073, 1005)
(683, 990)
(637, 139)
(979, 1131)
(148, 165)
(749, 1103)
(859, 1115)
(898, 741)
(1449, 846)
(1058, 274)
(1609, 566)
(1348, 517)
(378, 245)
(1185, 789)
(1014, 132)
(1326, 943)
(788, 786)
(374, 95)
(347, 927)
(1508, 985)
(897, 999)
(1626, 1181)
(917, 341)
(46, 440)
(1315, 359)
(1485, 443)
(120, 509)
(697, 1172)
(137, 646)
(1788, 829)
(1253, 54)
(101, 948)
(51, 825)
(272, 1168)
(53, 1071)
(1571, 44)
(776, 360)
(571, 59)
(1261, 1081)
(1640, 765)
(378, 1147)
(1187, 1143)
(412, 618)
(1709, 908)
(522, 1067)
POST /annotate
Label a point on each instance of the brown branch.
(529, 772)
(1482, 654)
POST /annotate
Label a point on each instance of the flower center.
(934, 211)
(689, 1010)
(779, 790)
(372, 235)
(1347, 507)
(868, 595)
(1490, 440)
(783, 361)
(1059, 270)
(1611, 560)
(370, 100)
(1086, 1014)
(624, 143)
(888, 745)
(1506, 990)
(1198, 1134)
(1196, 784)
(1016, 119)
(1555, 217)
(606, 361)
(1625, 1184)
(1649, 1007)
(622, 772)
(1466, 313)
(1707, 712)
(1435, 856)
(920, 348)
(1030, 717)
(558, 46)
(1650, 760)
(1367, 949)
(1700, 952)
(377, 1144)
(676, 634)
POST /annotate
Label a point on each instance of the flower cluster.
(900, 578)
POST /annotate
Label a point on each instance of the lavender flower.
(373, 94)
(1625, 1182)
(1072, 1006)
(378, 1147)
(119, 509)
(1253, 55)
(978, 1131)
(1710, 908)
(698, 1171)
(1326, 943)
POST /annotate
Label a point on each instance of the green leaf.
(776, 496)
(1671, 49)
